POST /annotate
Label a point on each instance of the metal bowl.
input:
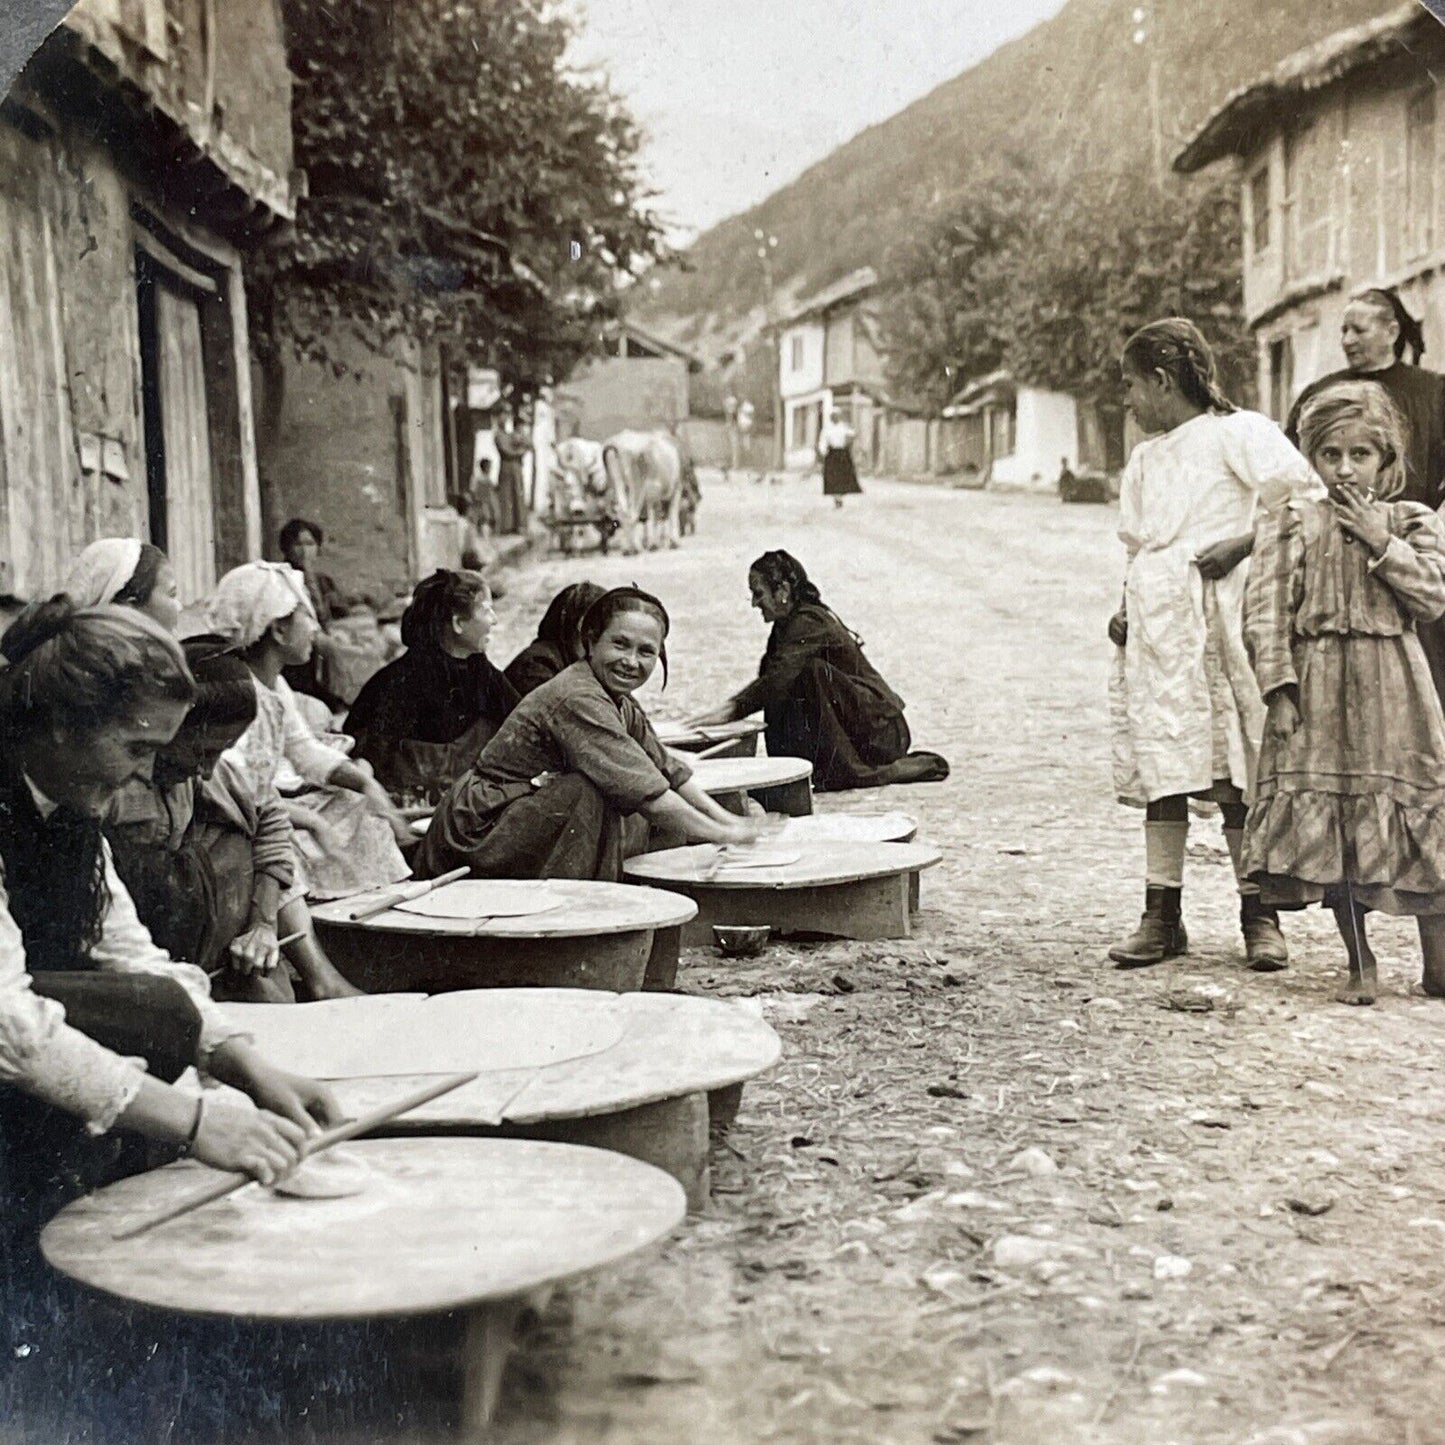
(740, 940)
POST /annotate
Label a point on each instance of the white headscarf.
(102, 570)
(251, 597)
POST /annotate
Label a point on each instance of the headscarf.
(102, 570)
(251, 597)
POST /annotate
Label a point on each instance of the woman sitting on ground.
(89, 696)
(211, 868)
(127, 573)
(551, 793)
(558, 642)
(348, 829)
(421, 721)
(821, 698)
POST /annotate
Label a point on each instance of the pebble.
(1041, 1377)
(1034, 1162)
(972, 1199)
(1022, 1251)
(943, 1278)
(1104, 1006)
(1172, 1266)
(920, 1209)
(1178, 1380)
(854, 1250)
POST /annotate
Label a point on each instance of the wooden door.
(184, 489)
(39, 476)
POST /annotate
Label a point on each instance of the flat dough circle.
(336, 1174)
(761, 858)
(483, 898)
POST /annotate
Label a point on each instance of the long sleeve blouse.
(1307, 580)
(573, 725)
(279, 734)
(45, 1056)
(810, 631)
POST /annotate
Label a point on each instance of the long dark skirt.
(840, 477)
(838, 727)
(564, 829)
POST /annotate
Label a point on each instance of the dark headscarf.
(1412, 331)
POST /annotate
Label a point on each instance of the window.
(799, 438)
(1420, 172)
(1259, 211)
(795, 353)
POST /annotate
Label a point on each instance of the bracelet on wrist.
(189, 1146)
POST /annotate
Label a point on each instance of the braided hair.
(778, 567)
(1385, 300)
(1177, 347)
(598, 617)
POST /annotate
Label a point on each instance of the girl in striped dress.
(1350, 804)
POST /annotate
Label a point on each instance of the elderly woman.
(551, 793)
(558, 642)
(88, 699)
(96, 1021)
(422, 720)
(128, 573)
(350, 827)
(822, 699)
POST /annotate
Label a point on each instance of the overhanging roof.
(846, 288)
(1261, 106)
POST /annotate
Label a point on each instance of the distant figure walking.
(835, 447)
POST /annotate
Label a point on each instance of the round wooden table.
(469, 1226)
(781, 785)
(845, 890)
(740, 737)
(600, 935)
(649, 1075)
(846, 828)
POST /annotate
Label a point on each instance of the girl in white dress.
(1187, 712)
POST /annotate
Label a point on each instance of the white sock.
(1164, 845)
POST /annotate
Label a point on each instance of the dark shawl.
(424, 717)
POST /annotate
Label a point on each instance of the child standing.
(1187, 712)
(1350, 808)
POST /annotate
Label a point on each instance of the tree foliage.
(1113, 252)
(942, 321)
(463, 182)
(1049, 282)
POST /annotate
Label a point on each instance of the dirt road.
(997, 1191)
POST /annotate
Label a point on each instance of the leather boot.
(1160, 933)
(1265, 950)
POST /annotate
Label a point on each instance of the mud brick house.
(144, 149)
(1340, 156)
(639, 381)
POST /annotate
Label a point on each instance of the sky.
(740, 96)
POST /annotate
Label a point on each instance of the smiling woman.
(554, 793)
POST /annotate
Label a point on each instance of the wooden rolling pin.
(404, 894)
(229, 1183)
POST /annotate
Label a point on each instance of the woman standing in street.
(835, 447)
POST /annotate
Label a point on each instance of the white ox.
(645, 470)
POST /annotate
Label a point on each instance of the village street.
(997, 1191)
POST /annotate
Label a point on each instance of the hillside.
(1071, 95)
